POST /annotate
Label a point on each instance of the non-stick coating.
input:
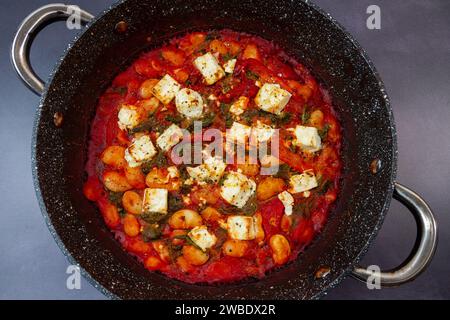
(304, 32)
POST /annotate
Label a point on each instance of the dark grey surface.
(412, 54)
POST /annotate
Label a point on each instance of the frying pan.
(109, 42)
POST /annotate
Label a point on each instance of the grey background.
(412, 54)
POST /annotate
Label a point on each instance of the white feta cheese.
(209, 68)
(238, 132)
(307, 138)
(173, 172)
(262, 132)
(272, 98)
(238, 107)
(237, 189)
(202, 237)
(155, 200)
(170, 137)
(288, 202)
(166, 89)
(216, 168)
(141, 150)
(303, 182)
(229, 65)
(189, 103)
(128, 116)
(200, 174)
(211, 169)
(241, 228)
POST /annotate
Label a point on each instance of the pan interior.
(305, 33)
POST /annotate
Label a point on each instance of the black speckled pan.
(305, 32)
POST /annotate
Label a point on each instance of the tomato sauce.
(118, 188)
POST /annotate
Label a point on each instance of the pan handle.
(424, 247)
(28, 29)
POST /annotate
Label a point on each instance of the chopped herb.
(293, 148)
(227, 57)
(222, 236)
(227, 209)
(248, 115)
(208, 119)
(225, 110)
(174, 251)
(152, 217)
(284, 118)
(115, 198)
(188, 82)
(159, 161)
(177, 119)
(324, 131)
(222, 180)
(250, 207)
(229, 121)
(226, 87)
(149, 125)
(185, 189)
(303, 208)
(186, 238)
(284, 172)
(324, 187)
(175, 203)
(305, 115)
(227, 84)
(151, 232)
(183, 172)
(251, 75)
(121, 211)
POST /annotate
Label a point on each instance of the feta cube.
(172, 172)
(303, 182)
(141, 150)
(209, 68)
(170, 137)
(272, 98)
(238, 107)
(307, 138)
(202, 237)
(210, 171)
(216, 168)
(288, 202)
(189, 103)
(229, 65)
(155, 200)
(199, 174)
(262, 132)
(238, 132)
(128, 116)
(166, 89)
(241, 228)
(237, 189)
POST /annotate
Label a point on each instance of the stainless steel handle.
(28, 29)
(424, 247)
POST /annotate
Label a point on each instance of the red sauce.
(162, 248)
